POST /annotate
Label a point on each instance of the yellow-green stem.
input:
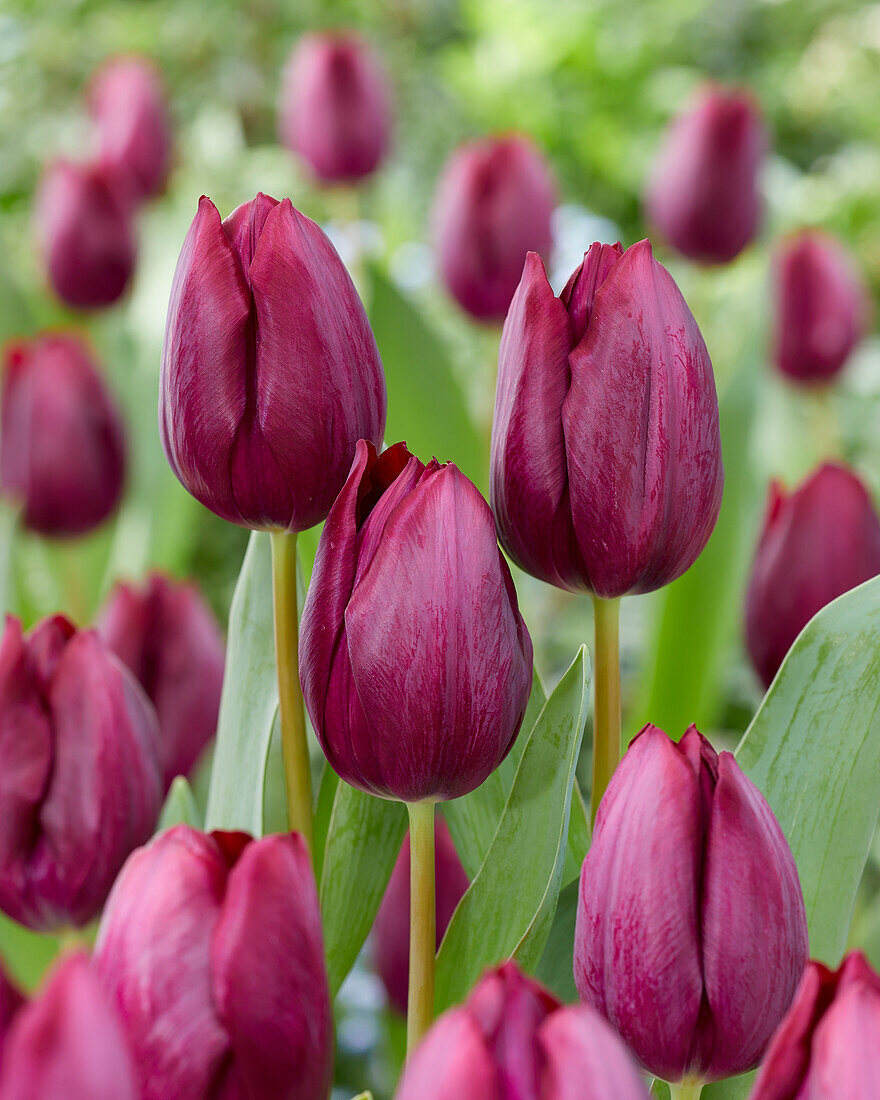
(825, 429)
(606, 704)
(422, 923)
(294, 746)
(686, 1090)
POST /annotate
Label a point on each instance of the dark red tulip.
(704, 197)
(170, 639)
(391, 930)
(270, 372)
(62, 447)
(821, 307)
(606, 471)
(697, 986)
(416, 690)
(818, 542)
(211, 947)
(335, 107)
(11, 1001)
(84, 221)
(494, 204)
(80, 785)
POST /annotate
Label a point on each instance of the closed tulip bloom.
(821, 307)
(62, 440)
(335, 107)
(818, 542)
(704, 196)
(211, 947)
(494, 204)
(606, 471)
(80, 786)
(415, 662)
(270, 372)
(86, 232)
(698, 984)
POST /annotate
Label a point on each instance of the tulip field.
(440, 550)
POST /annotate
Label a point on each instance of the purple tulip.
(170, 639)
(606, 467)
(11, 1001)
(691, 932)
(270, 372)
(335, 107)
(62, 447)
(80, 785)
(494, 204)
(415, 662)
(821, 307)
(704, 196)
(512, 1040)
(818, 542)
(131, 116)
(86, 232)
(211, 947)
(391, 930)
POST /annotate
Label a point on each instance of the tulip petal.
(585, 1060)
(846, 1047)
(452, 1060)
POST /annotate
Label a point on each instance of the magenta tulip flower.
(416, 690)
(270, 372)
(11, 1001)
(493, 205)
(335, 107)
(62, 440)
(818, 542)
(211, 948)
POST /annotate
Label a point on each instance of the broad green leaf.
(556, 968)
(509, 907)
(8, 528)
(327, 787)
(180, 806)
(26, 954)
(734, 1088)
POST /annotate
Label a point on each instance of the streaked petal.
(846, 1047)
(452, 1060)
(585, 1060)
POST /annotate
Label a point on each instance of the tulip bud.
(80, 786)
(821, 307)
(134, 129)
(691, 932)
(68, 1043)
(270, 372)
(62, 447)
(169, 638)
(828, 1046)
(606, 471)
(86, 233)
(11, 1001)
(704, 196)
(512, 1039)
(416, 690)
(391, 930)
(818, 542)
(335, 107)
(493, 205)
(211, 947)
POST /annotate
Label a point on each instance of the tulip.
(68, 1043)
(211, 947)
(270, 372)
(335, 107)
(703, 195)
(170, 639)
(691, 932)
(11, 1001)
(80, 785)
(86, 233)
(493, 205)
(828, 1046)
(391, 930)
(818, 542)
(134, 128)
(62, 447)
(821, 307)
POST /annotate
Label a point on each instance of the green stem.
(686, 1090)
(294, 746)
(606, 706)
(422, 923)
(826, 434)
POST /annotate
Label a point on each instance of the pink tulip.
(11, 1001)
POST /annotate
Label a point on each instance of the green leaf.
(734, 1088)
(556, 968)
(509, 907)
(26, 954)
(180, 806)
(323, 812)
(8, 528)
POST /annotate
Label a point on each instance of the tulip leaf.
(556, 968)
(25, 954)
(180, 806)
(509, 907)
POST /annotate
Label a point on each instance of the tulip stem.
(294, 746)
(606, 704)
(422, 923)
(686, 1090)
